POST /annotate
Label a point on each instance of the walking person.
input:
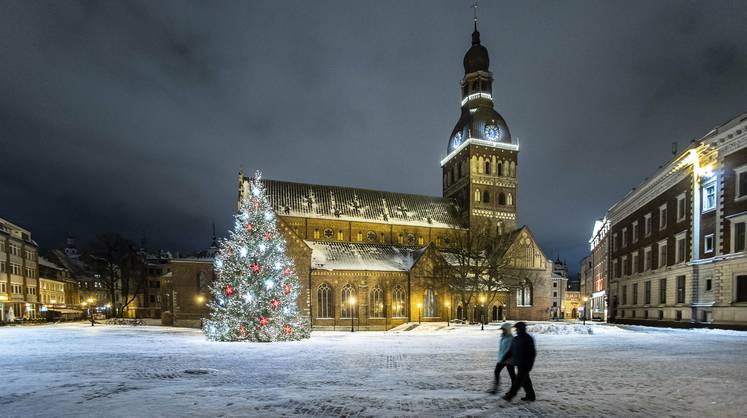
(522, 354)
(504, 344)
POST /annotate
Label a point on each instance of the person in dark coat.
(521, 354)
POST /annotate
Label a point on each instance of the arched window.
(340, 236)
(499, 228)
(377, 303)
(510, 200)
(500, 169)
(346, 308)
(512, 169)
(460, 312)
(495, 313)
(459, 169)
(359, 236)
(486, 196)
(501, 199)
(487, 167)
(430, 304)
(398, 303)
(324, 301)
(524, 295)
(478, 195)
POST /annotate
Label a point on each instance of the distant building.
(586, 285)
(559, 285)
(19, 273)
(59, 294)
(597, 288)
(678, 246)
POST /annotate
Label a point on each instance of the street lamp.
(420, 305)
(482, 313)
(351, 302)
(200, 299)
(448, 313)
(586, 312)
(90, 310)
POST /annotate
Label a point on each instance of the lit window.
(709, 196)
(324, 301)
(377, 303)
(398, 303)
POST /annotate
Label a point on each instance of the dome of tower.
(480, 123)
(476, 58)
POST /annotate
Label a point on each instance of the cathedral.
(367, 257)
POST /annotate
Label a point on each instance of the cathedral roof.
(337, 255)
(362, 205)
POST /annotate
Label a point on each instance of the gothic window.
(500, 169)
(486, 196)
(377, 303)
(512, 169)
(478, 195)
(340, 236)
(501, 199)
(359, 236)
(398, 303)
(510, 200)
(430, 304)
(487, 167)
(524, 295)
(324, 301)
(347, 309)
(316, 233)
(459, 169)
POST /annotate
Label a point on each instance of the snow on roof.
(370, 257)
(352, 204)
(46, 263)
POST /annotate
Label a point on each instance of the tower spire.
(474, 6)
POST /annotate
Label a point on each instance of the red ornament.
(249, 227)
(287, 329)
(256, 204)
(268, 236)
(229, 290)
(275, 304)
(255, 267)
(286, 288)
(263, 321)
(242, 330)
(229, 252)
(287, 271)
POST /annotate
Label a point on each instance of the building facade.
(19, 273)
(677, 247)
(597, 298)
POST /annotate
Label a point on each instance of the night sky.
(135, 117)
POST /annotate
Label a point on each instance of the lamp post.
(448, 313)
(351, 302)
(90, 310)
(586, 312)
(420, 305)
(482, 313)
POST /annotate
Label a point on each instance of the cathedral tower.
(479, 171)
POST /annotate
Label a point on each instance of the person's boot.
(493, 389)
(527, 398)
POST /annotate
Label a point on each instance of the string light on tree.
(250, 302)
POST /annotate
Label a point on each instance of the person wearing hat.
(504, 344)
(521, 354)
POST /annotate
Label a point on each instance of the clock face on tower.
(457, 140)
(493, 132)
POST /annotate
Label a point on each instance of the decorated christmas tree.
(256, 287)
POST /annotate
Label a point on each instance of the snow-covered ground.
(113, 371)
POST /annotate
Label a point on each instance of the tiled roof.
(336, 255)
(347, 203)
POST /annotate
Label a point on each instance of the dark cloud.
(137, 116)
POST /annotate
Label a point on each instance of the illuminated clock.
(493, 132)
(457, 140)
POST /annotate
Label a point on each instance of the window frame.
(680, 258)
(648, 258)
(648, 224)
(704, 195)
(634, 231)
(663, 223)
(706, 248)
(737, 172)
(663, 244)
(680, 291)
(681, 199)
